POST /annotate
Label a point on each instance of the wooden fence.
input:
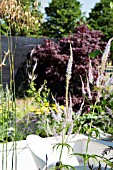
(20, 46)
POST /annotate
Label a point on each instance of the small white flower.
(109, 82)
(83, 89)
(69, 66)
(90, 75)
(78, 113)
(99, 95)
(56, 117)
(34, 67)
(109, 110)
(88, 89)
(105, 56)
(70, 130)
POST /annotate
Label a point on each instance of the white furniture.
(22, 156)
(40, 147)
(27, 161)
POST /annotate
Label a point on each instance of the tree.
(62, 17)
(50, 63)
(101, 17)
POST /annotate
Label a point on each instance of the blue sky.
(86, 4)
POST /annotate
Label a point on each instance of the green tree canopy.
(62, 17)
(101, 17)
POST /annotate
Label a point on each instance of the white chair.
(40, 147)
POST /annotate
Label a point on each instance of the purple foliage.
(52, 59)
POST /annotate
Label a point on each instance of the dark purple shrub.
(52, 59)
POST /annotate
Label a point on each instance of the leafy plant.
(52, 61)
(62, 17)
(101, 17)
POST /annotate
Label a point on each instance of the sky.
(86, 4)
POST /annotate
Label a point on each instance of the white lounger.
(40, 147)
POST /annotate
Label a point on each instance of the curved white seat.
(40, 147)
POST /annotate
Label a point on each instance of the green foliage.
(7, 119)
(107, 107)
(62, 17)
(94, 54)
(101, 18)
(42, 96)
(63, 145)
(91, 121)
(87, 157)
